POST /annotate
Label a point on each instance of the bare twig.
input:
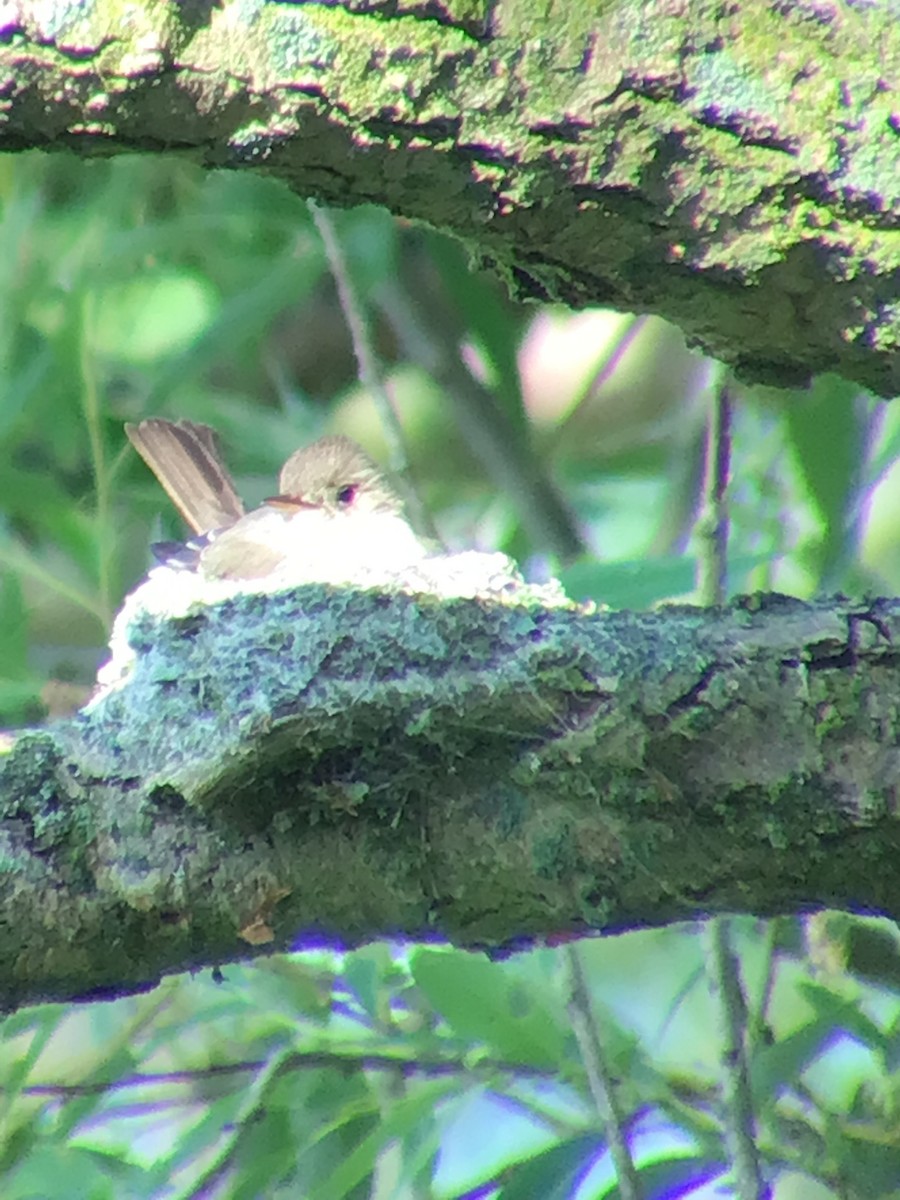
(206, 1185)
(504, 450)
(870, 423)
(713, 556)
(735, 1079)
(602, 373)
(369, 368)
(91, 411)
(317, 1060)
(599, 1077)
(722, 964)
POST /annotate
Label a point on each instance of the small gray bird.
(334, 509)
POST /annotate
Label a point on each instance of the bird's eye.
(346, 494)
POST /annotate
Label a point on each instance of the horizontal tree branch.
(734, 168)
(344, 764)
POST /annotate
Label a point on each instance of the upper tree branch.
(735, 168)
(356, 765)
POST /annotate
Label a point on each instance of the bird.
(334, 513)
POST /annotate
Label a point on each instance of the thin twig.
(599, 1077)
(870, 423)
(712, 582)
(369, 369)
(736, 1094)
(206, 1185)
(487, 1068)
(722, 963)
(603, 371)
(758, 1020)
(91, 410)
(504, 450)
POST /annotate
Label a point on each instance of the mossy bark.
(329, 763)
(734, 168)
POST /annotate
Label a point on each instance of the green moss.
(30, 782)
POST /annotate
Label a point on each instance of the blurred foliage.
(141, 286)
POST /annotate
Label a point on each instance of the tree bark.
(734, 168)
(351, 765)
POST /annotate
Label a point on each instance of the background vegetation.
(142, 287)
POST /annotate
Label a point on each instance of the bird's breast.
(311, 546)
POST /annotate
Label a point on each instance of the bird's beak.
(289, 503)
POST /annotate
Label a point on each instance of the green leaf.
(363, 972)
(267, 1152)
(637, 583)
(641, 583)
(867, 1154)
(493, 325)
(198, 1139)
(825, 427)
(13, 631)
(154, 314)
(844, 1014)
(403, 1119)
(239, 320)
(368, 239)
(780, 1065)
(485, 1002)
(672, 1178)
(44, 1023)
(61, 1172)
(553, 1174)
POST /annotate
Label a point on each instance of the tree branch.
(734, 169)
(351, 765)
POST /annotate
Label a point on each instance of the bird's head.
(336, 476)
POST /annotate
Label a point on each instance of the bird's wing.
(186, 459)
(250, 549)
